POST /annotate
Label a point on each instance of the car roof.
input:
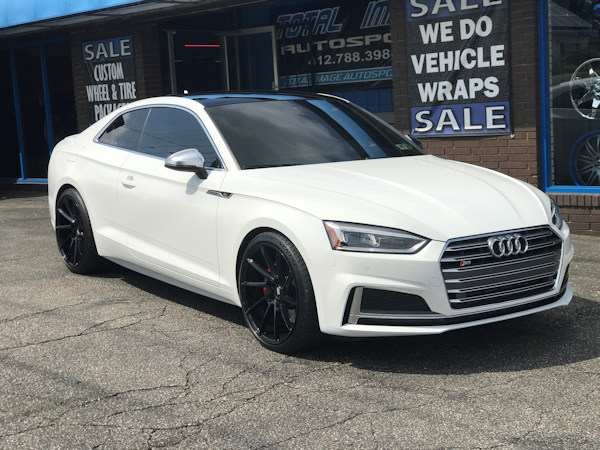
(224, 98)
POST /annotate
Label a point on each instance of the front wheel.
(74, 234)
(276, 294)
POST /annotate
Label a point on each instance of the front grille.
(474, 277)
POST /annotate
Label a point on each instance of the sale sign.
(458, 66)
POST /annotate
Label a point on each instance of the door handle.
(128, 182)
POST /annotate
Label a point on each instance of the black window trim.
(160, 105)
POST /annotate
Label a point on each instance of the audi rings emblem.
(507, 245)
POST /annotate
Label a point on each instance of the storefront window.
(574, 93)
(38, 108)
(10, 166)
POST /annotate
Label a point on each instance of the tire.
(584, 160)
(74, 234)
(276, 293)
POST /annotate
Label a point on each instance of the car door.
(99, 164)
(170, 216)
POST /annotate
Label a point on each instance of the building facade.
(510, 85)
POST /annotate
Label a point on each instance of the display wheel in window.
(584, 162)
(585, 89)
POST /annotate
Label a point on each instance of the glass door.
(195, 61)
(251, 59)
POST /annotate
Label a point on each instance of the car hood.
(426, 195)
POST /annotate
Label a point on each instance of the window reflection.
(575, 92)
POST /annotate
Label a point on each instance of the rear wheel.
(277, 295)
(74, 234)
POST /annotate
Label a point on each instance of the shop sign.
(335, 43)
(111, 78)
(458, 66)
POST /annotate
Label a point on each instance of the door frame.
(245, 32)
(223, 35)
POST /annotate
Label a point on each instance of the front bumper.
(338, 292)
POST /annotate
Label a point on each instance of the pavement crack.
(87, 331)
(37, 313)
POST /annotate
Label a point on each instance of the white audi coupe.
(311, 214)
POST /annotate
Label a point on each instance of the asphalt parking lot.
(119, 360)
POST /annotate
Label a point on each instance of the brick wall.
(581, 211)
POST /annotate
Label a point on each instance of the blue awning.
(21, 12)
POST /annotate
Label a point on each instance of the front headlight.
(556, 216)
(367, 238)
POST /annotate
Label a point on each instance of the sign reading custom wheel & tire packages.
(111, 78)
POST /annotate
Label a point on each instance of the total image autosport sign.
(334, 43)
(458, 66)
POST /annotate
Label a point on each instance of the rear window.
(126, 130)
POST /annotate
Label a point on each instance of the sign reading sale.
(458, 66)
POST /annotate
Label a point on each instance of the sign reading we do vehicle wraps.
(458, 66)
(111, 78)
(334, 43)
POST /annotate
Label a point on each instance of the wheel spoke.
(256, 303)
(586, 170)
(278, 256)
(70, 252)
(264, 318)
(71, 208)
(63, 227)
(260, 270)
(75, 251)
(270, 267)
(590, 148)
(586, 98)
(254, 283)
(285, 318)
(596, 151)
(275, 330)
(70, 236)
(288, 281)
(65, 215)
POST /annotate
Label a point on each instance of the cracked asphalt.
(118, 360)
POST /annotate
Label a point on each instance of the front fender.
(240, 215)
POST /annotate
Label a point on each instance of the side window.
(125, 131)
(169, 130)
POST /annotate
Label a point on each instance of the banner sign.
(111, 77)
(335, 43)
(458, 66)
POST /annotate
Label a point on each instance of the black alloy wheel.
(276, 294)
(74, 233)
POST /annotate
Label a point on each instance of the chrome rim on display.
(585, 89)
(584, 162)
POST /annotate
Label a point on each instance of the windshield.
(273, 133)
